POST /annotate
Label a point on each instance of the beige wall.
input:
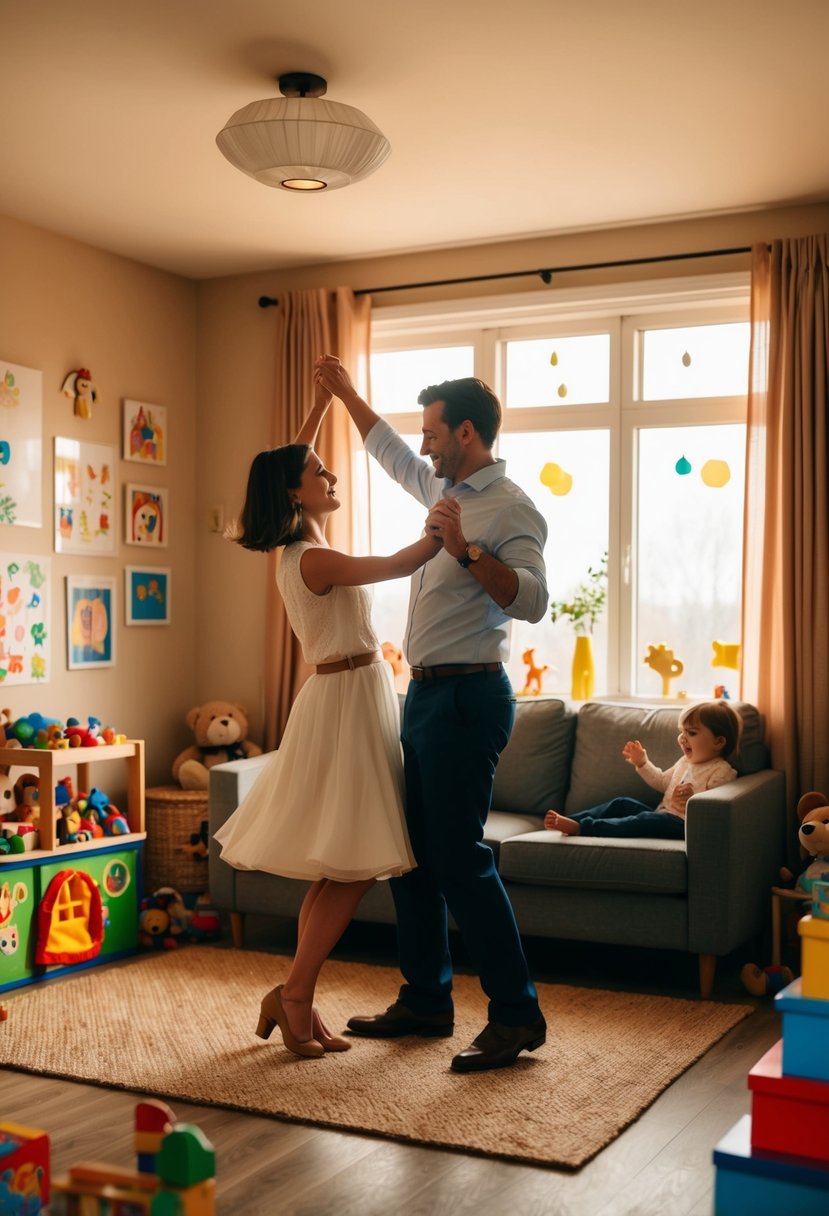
(64, 305)
(235, 377)
(205, 351)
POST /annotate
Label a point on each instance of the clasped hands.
(443, 523)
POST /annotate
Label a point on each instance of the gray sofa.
(707, 894)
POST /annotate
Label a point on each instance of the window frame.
(625, 311)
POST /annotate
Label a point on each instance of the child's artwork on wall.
(146, 516)
(145, 432)
(84, 497)
(25, 649)
(147, 595)
(21, 409)
(90, 621)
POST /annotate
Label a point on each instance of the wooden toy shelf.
(50, 765)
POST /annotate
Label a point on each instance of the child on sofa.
(708, 734)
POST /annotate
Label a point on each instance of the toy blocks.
(175, 1175)
(776, 1160)
(24, 1169)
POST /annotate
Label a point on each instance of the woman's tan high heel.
(330, 1042)
(271, 1013)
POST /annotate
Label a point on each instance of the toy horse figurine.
(534, 674)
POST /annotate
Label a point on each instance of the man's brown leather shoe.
(499, 1046)
(398, 1021)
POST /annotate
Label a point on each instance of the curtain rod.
(546, 276)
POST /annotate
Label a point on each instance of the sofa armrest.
(735, 839)
(228, 785)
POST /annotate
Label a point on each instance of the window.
(624, 420)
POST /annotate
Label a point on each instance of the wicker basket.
(173, 816)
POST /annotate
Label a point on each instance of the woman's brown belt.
(354, 660)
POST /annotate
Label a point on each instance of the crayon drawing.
(21, 409)
(25, 651)
(145, 432)
(90, 621)
(84, 497)
(146, 516)
(147, 595)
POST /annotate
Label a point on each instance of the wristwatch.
(473, 552)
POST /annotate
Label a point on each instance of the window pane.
(577, 518)
(695, 361)
(690, 552)
(558, 371)
(396, 520)
(397, 376)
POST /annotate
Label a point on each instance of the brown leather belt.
(444, 670)
(354, 660)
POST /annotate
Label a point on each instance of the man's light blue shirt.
(451, 618)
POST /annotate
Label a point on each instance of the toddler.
(708, 734)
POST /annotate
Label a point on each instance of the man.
(458, 714)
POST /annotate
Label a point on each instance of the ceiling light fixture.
(301, 143)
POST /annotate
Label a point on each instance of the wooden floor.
(661, 1165)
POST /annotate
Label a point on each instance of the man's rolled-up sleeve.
(523, 551)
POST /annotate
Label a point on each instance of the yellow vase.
(583, 672)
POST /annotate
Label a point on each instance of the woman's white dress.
(329, 802)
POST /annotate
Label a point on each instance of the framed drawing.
(21, 440)
(90, 621)
(145, 433)
(25, 651)
(146, 516)
(147, 595)
(84, 497)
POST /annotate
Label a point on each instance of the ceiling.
(506, 119)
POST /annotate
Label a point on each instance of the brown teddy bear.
(220, 729)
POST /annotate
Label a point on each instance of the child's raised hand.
(634, 753)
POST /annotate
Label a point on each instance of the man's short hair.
(468, 399)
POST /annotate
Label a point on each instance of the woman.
(328, 805)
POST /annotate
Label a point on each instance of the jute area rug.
(180, 1025)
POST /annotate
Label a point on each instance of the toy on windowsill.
(721, 693)
(532, 682)
(661, 660)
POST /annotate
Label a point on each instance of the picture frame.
(21, 442)
(147, 595)
(146, 516)
(90, 621)
(25, 642)
(144, 432)
(85, 497)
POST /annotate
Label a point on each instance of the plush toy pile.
(220, 729)
(35, 730)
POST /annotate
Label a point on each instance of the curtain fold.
(308, 324)
(786, 528)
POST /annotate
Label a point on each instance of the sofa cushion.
(548, 859)
(602, 729)
(533, 771)
(501, 826)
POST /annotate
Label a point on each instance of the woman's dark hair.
(467, 399)
(723, 722)
(270, 517)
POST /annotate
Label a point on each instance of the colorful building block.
(788, 1114)
(24, 1169)
(814, 949)
(805, 1033)
(765, 1184)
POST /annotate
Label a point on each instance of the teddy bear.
(162, 920)
(219, 728)
(813, 834)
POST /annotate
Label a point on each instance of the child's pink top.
(701, 776)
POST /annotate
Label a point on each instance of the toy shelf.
(50, 765)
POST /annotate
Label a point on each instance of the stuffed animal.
(813, 813)
(813, 834)
(162, 920)
(219, 729)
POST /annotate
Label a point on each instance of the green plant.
(588, 601)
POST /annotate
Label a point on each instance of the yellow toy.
(661, 660)
(726, 654)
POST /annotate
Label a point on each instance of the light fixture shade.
(303, 139)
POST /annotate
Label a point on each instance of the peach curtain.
(786, 540)
(310, 323)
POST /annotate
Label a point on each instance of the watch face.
(473, 552)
